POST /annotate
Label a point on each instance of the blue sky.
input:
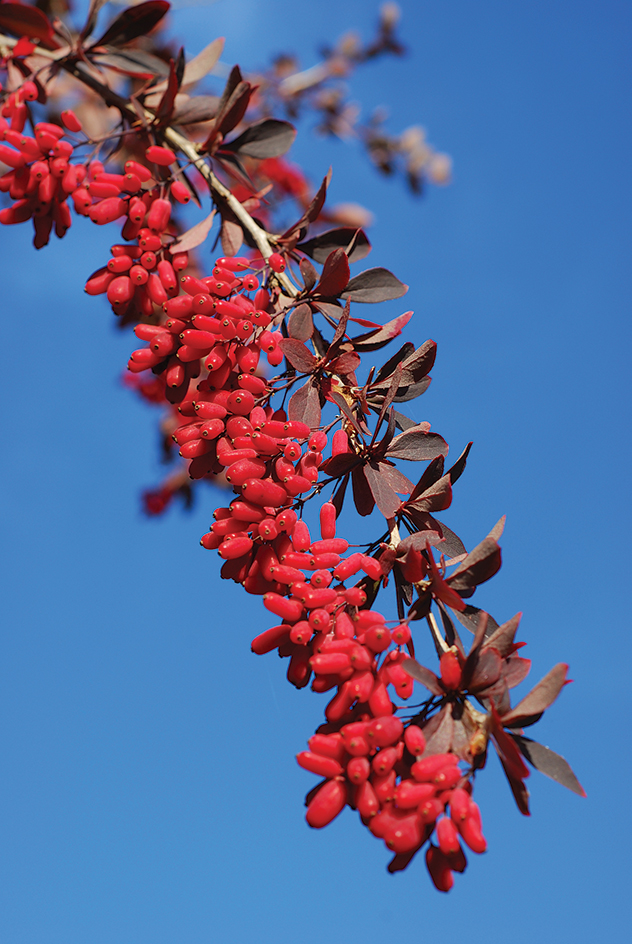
(148, 790)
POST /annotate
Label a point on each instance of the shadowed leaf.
(421, 674)
(298, 355)
(362, 495)
(374, 285)
(378, 337)
(385, 497)
(199, 108)
(549, 763)
(134, 62)
(304, 405)
(133, 22)
(203, 63)
(539, 698)
(335, 275)
(300, 324)
(345, 237)
(266, 138)
(18, 19)
(416, 445)
(194, 236)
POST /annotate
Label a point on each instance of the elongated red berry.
(327, 804)
(160, 155)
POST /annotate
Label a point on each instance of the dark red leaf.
(502, 637)
(479, 565)
(385, 372)
(309, 273)
(549, 763)
(91, 19)
(471, 616)
(377, 338)
(456, 471)
(436, 497)
(134, 62)
(362, 495)
(266, 138)
(431, 474)
(298, 229)
(346, 364)
(164, 110)
(539, 698)
(298, 355)
(419, 363)
(304, 405)
(18, 19)
(486, 671)
(375, 285)
(439, 732)
(133, 22)
(335, 275)
(416, 445)
(300, 324)
(397, 481)
(518, 788)
(423, 675)
(386, 499)
(342, 325)
(340, 464)
(515, 671)
(199, 108)
(354, 242)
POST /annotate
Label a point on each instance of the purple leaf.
(375, 285)
(304, 405)
(194, 236)
(309, 273)
(335, 275)
(386, 499)
(298, 355)
(354, 242)
(549, 763)
(199, 108)
(539, 698)
(378, 337)
(362, 495)
(267, 138)
(133, 22)
(423, 675)
(416, 445)
(300, 324)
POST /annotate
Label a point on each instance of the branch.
(260, 236)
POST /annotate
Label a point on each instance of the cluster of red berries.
(403, 794)
(41, 177)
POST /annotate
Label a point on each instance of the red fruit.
(329, 745)
(160, 155)
(403, 833)
(140, 171)
(318, 764)
(384, 731)
(271, 639)
(384, 786)
(159, 215)
(401, 634)
(358, 769)
(378, 638)
(447, 836)
(330, 663)
(327, 804)
(367, 803)
(264, 492)
(414, 739)
(120, 291)
(180, 192)
(450, 671)
(439, 869)
(28, 92)
(379, 702)
(385, 760)
(409, 794)
(426, 770)
(276, 262)
(10, 157)
(107, 210)
(290, 610)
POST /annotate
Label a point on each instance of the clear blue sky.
(148, 788)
